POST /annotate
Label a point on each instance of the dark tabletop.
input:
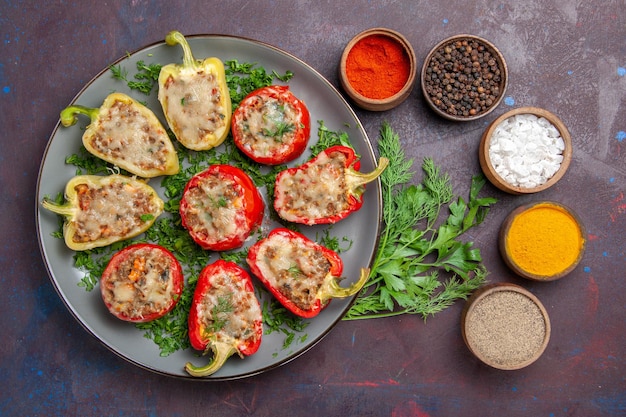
(565, 56)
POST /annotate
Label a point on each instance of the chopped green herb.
(243, 78)
(295, 271)
(221, 313)
(328, 138)
(276, 318)
(119, 72)
(282, 128)
(144, 80)
(334, 243)
(236, 256)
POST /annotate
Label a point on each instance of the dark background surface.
(568, 57)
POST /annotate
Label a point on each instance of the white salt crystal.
(526, 150)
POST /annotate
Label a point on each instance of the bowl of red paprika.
(378, 69)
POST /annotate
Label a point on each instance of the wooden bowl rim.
(488, 290)
(490, 171)
(506, 226)
(499, 56)
(391, 101)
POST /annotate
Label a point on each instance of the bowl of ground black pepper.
(378, 69)
(464, 78)
(505, 326)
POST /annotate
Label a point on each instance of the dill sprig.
(418, 247)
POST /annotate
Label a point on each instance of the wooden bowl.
(562, 239)
(386, 103)
(432, 84)
(489, 169)
(505, 326)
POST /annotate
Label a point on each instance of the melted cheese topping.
(268, 125)
(142, 284)
(125, 134)
(215, 209)
(111, 209)
(229, 310)
(294, 267)
(194, 106)
(318, 191)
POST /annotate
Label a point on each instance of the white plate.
(324, 103)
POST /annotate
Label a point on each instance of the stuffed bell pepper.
(141, 283)
(271, 125)
(220, 207)
(195, 98)
(225, 316)
(100, 210)
(126, 133)
(301, 274)
(326, 189)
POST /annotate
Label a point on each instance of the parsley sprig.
(417, 247)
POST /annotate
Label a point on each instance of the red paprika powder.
(377, 67)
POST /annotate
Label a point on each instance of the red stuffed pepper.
(324, 190)
(225, 316)
(220, 207)
(301, 274)
(141, 283)
(271, 125)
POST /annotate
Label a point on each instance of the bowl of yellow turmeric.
(542, 241)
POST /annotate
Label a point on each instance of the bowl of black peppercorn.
(464, 78)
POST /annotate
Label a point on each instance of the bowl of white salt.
(525, 150)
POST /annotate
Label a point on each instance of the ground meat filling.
(318, 191)
(215, 208)
(141, 285)
(114, 209)
(195, 106)
(295, 268)
(228, 311)
(268, 126)
(124, 134)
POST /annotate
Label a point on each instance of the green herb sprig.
(276, 318)
(416, 245)
(245, 77)
(144, 80)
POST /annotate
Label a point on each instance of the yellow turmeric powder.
(544, 240)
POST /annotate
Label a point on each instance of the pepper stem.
(175, 37)
(68, 115)
(357, 179)
(221, 352)
(66, 210)
(331, 288)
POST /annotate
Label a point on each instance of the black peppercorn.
(468, 78)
